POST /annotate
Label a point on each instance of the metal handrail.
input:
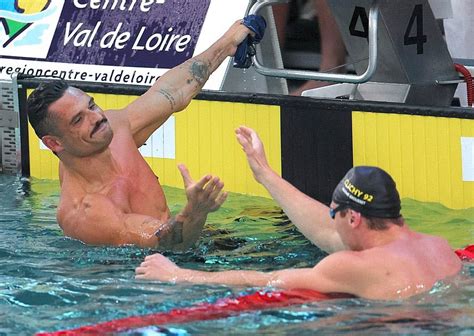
(315, 75)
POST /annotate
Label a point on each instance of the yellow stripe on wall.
(43, 163)
(422, 153)
(205, 142)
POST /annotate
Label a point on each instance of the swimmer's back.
(408, 266)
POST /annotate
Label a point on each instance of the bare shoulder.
(74, 209)
(361, 266)
(343, 264)
(438, 241)
(441, 252)
(437, 246)
(343, 256)
(80, 216)
(340, 272)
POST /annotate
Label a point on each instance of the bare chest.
(137, 194)
(136, 189)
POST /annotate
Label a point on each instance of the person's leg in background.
(333, 51)
(280, 15)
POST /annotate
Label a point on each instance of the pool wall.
(310, 142)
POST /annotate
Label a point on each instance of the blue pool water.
(49, 282)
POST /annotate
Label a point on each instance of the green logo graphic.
(17, 15)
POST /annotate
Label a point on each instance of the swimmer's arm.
(97, 221)
(309, 216)
(333, 276)
(173, 91)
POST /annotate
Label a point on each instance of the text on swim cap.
(357, 192)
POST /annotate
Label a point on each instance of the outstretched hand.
(253, 148)
(205, 195)
(157, 267)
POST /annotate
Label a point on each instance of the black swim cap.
(370, 191)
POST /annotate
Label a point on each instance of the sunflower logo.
(16, 16)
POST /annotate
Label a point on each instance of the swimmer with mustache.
(109, 194)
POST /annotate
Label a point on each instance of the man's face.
(341, 223)
(82, 127)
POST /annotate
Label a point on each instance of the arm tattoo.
(169, 97)
(171, 231)
(200, 72)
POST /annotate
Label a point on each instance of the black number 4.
(419, 39)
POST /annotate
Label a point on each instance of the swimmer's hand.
(246, 49)
(236, 34)
(203, 196)
(253, 148)
(157, 267)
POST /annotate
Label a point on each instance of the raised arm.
(309, 216)
(174, 90)
(98, 221)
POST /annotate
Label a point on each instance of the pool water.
(49, 282)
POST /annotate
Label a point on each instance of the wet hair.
(379, 223)
(38, 105)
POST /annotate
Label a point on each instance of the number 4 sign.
(411, 47)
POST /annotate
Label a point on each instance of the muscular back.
(405, 267)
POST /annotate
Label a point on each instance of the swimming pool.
(49, 282)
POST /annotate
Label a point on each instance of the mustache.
(98, 124)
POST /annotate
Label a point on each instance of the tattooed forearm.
(200, 72)
(168, 97)
(171, 232)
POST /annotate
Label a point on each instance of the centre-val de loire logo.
(27, 27)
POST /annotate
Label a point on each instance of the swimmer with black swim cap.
(373, 253)
(370, 191)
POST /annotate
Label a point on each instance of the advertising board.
(111, 41)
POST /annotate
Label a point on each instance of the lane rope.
(220, 309)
